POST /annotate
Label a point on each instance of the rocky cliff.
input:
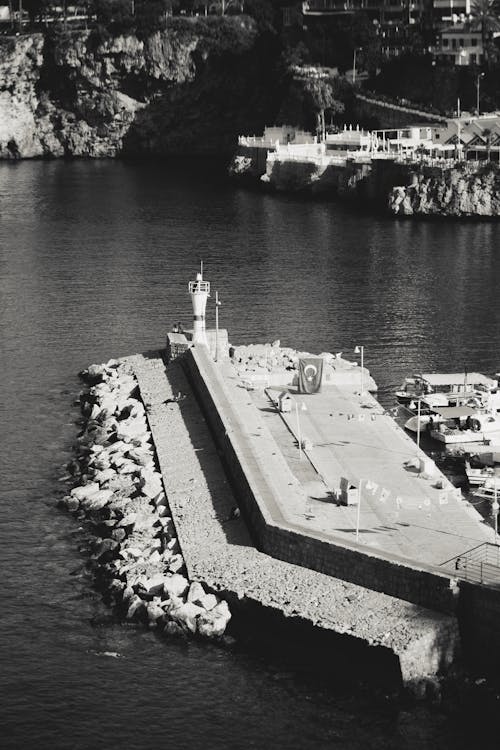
(462, 190)
(190, 88)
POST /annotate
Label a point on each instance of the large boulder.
(186, 615)
(175, 585)
(83, 492)
(212, 624)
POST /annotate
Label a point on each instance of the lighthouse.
(199, 291)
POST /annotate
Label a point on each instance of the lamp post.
(361, 350)
(418, 422)
(217, 305)
(358, 510)
(356, 49)
(494, 508)
(478, 88)
(299, 435)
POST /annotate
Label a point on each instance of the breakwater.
(175, 559)
(119, 494)
(177, 546)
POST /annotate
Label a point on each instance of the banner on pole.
(310, 373)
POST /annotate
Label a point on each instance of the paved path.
(403, 511)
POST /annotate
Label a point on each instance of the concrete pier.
(219, 551)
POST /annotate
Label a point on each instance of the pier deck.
(218, 550)
(403, 510)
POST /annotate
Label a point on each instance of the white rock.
(196, 593)
(160, 499)
(154, 557)
(132, 552)
(155, 584)
(135, 606)
(173, 546)
(128, 593)
(81, 493)
(150, 482)
(176, 563)
(97, 500)
(208, 602)
(175, 585)
(154, 612)
(128, 520)
(213, 623)
(173, 628)
(186, 615)
(104, 475)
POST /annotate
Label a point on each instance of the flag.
(310, 372)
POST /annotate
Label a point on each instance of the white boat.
(458, 387)
(477, 476)
(464, 424)
(424, 411)
(489, 491)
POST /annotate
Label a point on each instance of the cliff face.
(458, 191)
(177, 90)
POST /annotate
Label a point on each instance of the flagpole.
(358, 512)
(418, 422)
(216, 326)
(298, 430)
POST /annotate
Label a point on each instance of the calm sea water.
(94, 263)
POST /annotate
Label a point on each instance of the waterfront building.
(460, 43)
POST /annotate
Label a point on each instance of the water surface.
(94, 263)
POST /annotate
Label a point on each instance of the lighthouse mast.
(199, 291)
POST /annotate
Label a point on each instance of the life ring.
(475, 425)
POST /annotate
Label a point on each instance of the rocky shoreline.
(119, 496)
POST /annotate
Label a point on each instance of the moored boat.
(477, 476)
(465, 425)
(458, 388)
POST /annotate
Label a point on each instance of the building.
(460, 43)
(395, 20)
(450, 10)
(474, 138)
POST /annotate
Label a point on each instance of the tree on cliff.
(487, 14)
(320, 96)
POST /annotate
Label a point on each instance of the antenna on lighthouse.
(199, 291)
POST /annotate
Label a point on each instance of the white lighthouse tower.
(199, 291)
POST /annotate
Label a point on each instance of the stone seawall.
(119, 495)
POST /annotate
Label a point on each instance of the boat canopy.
(454, 412)
(438, 379)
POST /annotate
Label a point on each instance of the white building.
(460, 43)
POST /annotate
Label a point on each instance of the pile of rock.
(270, 357)
(119, 492)
(256, 360)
